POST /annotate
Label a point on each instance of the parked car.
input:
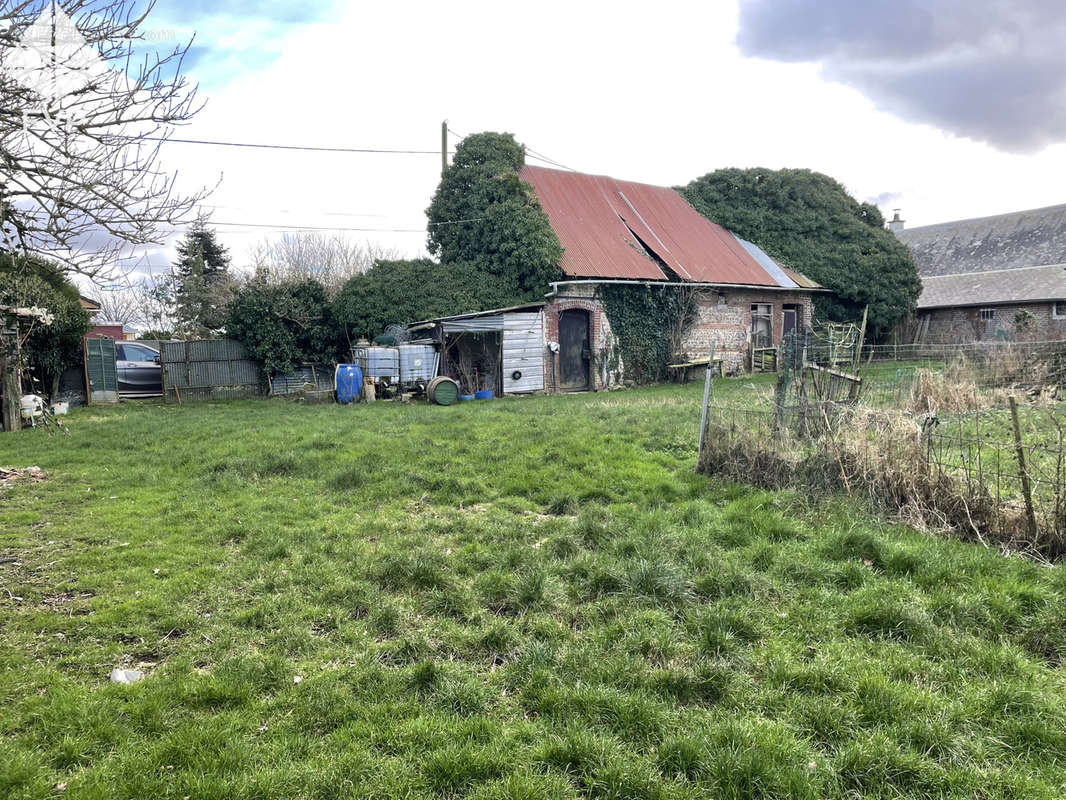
(139, 372)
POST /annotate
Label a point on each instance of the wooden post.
(444, 147)
(1027, 490)
(9, 378)
(862, 340)
(706, 402)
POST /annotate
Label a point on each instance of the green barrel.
(443, 391)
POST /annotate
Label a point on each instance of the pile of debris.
(8, 475)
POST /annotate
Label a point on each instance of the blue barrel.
(484, 394)
(348, 381)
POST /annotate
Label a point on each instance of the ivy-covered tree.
(483, 215)
(284, 325)
(403, 292)
(202, 285)
(49, 349)
(809, 222)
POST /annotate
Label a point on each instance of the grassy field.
(521, 599)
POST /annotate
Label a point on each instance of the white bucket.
(60, 408)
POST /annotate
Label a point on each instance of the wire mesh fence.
(972, 442)
(935, 475)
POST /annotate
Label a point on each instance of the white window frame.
(1055, 309)
(988, 314)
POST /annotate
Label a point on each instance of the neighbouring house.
(620, 232)
(999, 277)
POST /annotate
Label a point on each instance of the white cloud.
(651, 94)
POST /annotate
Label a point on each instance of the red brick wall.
(951, 325)
(728, 326)
(108, 331)
(581, 297)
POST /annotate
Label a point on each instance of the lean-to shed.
(501, 349)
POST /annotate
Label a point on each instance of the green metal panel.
(100, 369)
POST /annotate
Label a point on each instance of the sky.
(946, 109)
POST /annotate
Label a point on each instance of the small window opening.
(762, 331)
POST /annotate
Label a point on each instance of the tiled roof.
(1007, 241)
(991, 287)
(620, 229)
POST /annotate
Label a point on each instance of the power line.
(282, 227)
(530, 153)
(307, 148)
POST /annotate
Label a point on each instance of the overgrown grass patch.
(529, 598)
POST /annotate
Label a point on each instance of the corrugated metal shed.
(1034, 284)
(523, 352)
(611, 228)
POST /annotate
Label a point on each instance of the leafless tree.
(142, 301)
(117, 305)
(80, 173)
(329, 259)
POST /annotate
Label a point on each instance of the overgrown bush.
(483, 214)
(810, 222)
(402, 292)
(49, 349)
(284, 324)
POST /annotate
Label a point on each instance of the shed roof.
(992, 287)
(1005, 241)
(620, 229)
(534, 306)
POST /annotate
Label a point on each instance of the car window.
(120, 352)
(137, 353)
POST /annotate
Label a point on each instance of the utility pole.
(443, 147)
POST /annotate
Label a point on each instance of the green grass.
(521, 599)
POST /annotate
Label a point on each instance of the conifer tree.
(202, 282)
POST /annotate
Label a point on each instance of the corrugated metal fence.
(320, 376)
(209, 369)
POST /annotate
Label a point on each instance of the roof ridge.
(992, 271)
(946, 223)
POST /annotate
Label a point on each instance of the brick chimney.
(895, 224)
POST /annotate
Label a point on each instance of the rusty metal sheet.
(607, 226)
(582, 213)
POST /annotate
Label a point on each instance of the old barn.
(620, 232)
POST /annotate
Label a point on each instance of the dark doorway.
(575, 355)
(790, 316)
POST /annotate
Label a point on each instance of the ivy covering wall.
(648, 323)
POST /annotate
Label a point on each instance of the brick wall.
(108, 330)
(726, 323)
(724, 320)
(964, 324)
(602, 342)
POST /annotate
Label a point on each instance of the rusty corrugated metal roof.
(582, 211)
(608, 227)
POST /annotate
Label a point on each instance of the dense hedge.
(811, 223)
(285, 324)
(402, 292)
(49, 349)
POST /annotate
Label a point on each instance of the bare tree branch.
(329, 259)
(83, 115)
